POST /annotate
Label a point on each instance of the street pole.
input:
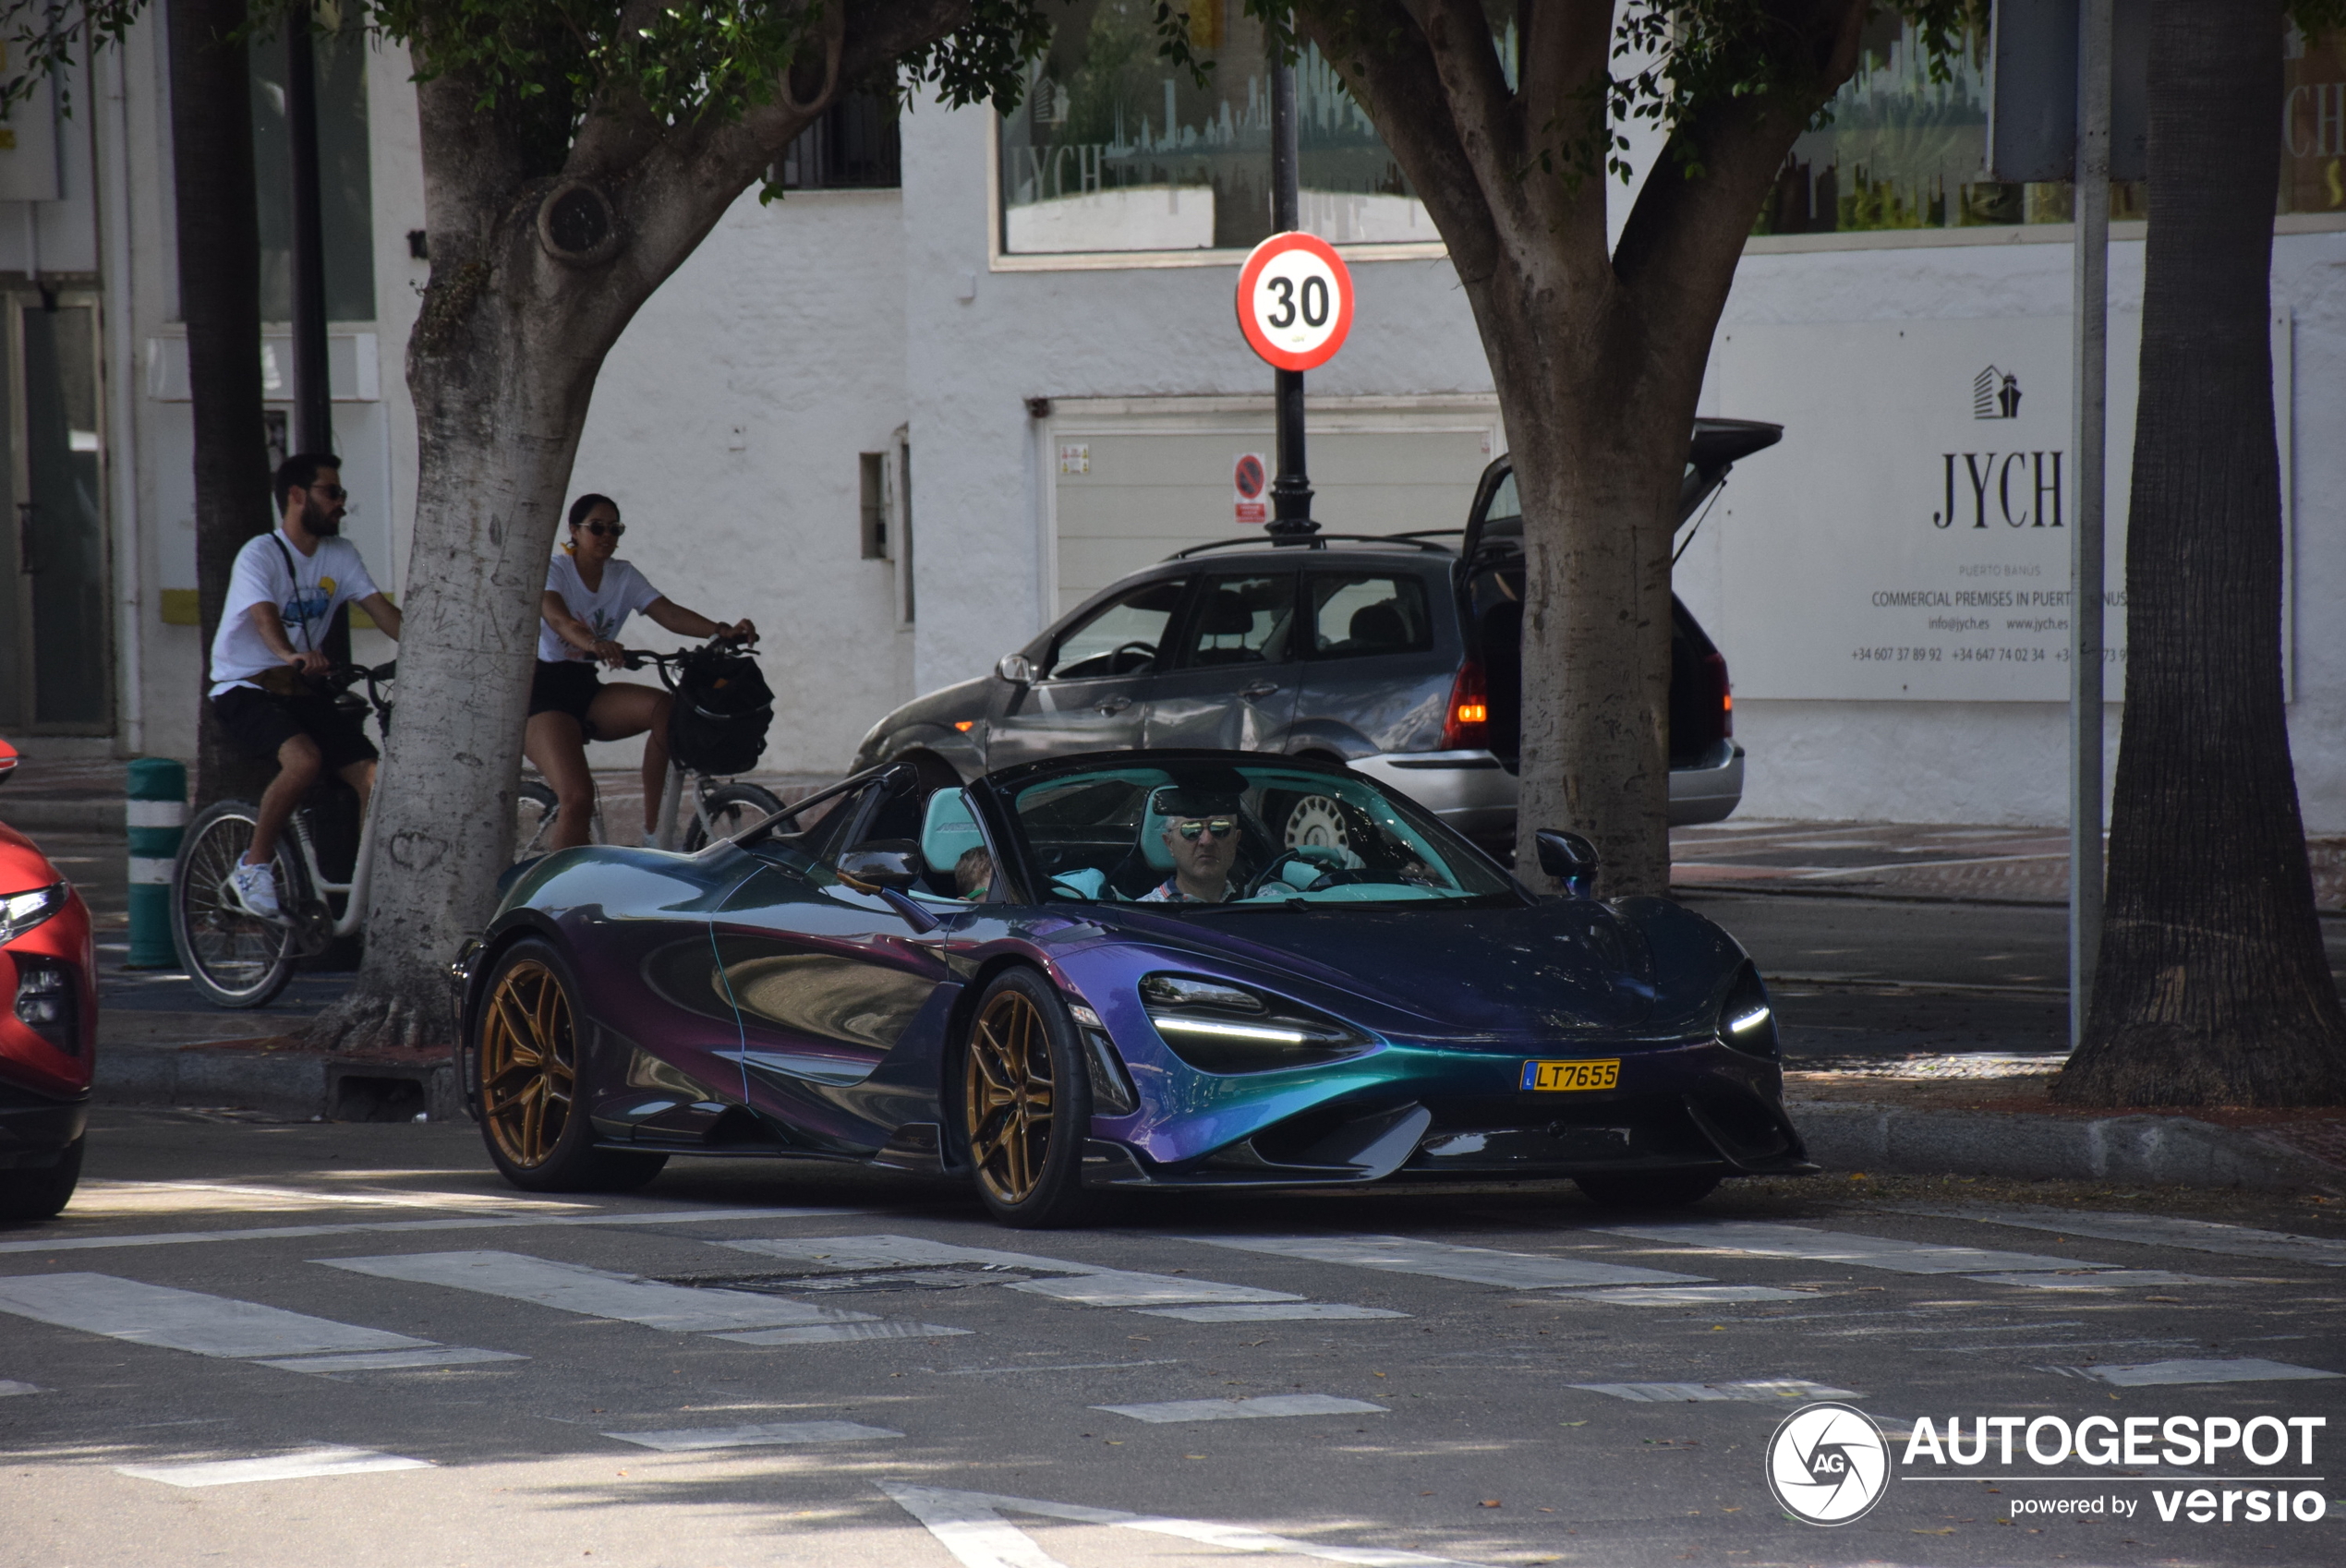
(1291, 491)
(313, 408)
(2088, 417)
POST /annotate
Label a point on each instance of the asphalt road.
(1493, 1377)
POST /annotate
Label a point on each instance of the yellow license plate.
(1553, 1078)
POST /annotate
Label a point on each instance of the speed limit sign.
(1295, 301)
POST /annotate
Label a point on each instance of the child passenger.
(973, 875)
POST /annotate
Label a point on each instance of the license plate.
(1557, 1078)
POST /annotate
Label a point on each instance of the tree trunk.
(2212, 986)
(218, 238)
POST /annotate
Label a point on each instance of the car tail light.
(1465, 724)
(47, 1003)
(1714, 671)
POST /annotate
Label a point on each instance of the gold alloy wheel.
(528, 1063)
(1009, 1097)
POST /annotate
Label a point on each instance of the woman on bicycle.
(590, 595)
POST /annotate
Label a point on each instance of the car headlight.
(1747, 1020)
(1220, 1028)
(20, 912)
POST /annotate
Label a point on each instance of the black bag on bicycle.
(721, 712)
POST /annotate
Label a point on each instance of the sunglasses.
(332, 492)
(1197, 827)
(600, 529)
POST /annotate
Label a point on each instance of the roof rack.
(1317, 540)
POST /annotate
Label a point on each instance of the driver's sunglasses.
(1197, 827)
(600, 529)
(332, 492)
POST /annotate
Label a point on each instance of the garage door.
(1134, 481)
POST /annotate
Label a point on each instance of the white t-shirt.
(605, 610)
(306, 600)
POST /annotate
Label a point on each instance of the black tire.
(1029, 1175)
(535, 809)
(41, 1194)
(728, 809)
(1660, 1190)
(534, 1074)
(236, 960)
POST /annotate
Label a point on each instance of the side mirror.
(882, 863)
(1015, 667)
(1569, 859)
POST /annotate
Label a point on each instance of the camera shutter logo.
(1828, 1463)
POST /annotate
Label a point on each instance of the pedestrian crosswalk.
(301, 1465)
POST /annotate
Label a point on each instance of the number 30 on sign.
(1295, 301)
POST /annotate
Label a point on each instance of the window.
(1121, 637)
(874, 485)
(1241, 620)
(1901, 151)
(1115, 149)
(1353, 617)
(854, 146)
(346, 190)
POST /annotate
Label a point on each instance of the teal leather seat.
(948, 831)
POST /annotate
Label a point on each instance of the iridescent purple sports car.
(1138, 970)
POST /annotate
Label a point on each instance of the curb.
(2165, 1150)
(255, 1075)
(37, 814)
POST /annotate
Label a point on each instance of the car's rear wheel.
(1660, 1190)
(1026, 1103)
(535, 1076)
(41, 1194)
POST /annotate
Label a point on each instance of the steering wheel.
(1116, 656)
(1330, 876)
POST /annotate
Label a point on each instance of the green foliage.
(551, 63)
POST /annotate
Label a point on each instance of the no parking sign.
(1295, 301)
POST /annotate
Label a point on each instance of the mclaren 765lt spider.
(1137, 969)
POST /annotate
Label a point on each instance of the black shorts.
(262, 721)
(566, 685)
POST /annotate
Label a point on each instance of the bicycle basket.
(722, 709)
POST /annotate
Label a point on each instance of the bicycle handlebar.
(666, 663)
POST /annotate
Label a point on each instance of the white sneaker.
(256, 889)
(651, 840)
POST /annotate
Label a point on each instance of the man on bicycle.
(265, 661)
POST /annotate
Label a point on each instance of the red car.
(49, 1032)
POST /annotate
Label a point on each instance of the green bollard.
(157, 813)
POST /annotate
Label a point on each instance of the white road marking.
(298, 1466)
(594, 1293)
(1691, 1295)
(2225, 1370)
(392, 1227)
(1474, 1265)
(1766, 1239)
(691, 1438)
(1060, 1366)
(1245, 1409)
(1271, 1312)
(1118, 1288)
(2102, 1279)
(183, 1319)
(9, 1386)
(1088, 1284)
(92, 1200)
(1756, 1391)
(393, 1360)
(970, 1526)
(2160, 1230)
(826, 1334)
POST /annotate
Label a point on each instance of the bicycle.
(238, 959)
(720, 807)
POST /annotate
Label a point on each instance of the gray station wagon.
(1400, 655)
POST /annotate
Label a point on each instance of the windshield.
(1197, 835)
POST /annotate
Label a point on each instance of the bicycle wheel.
(535, 809)
(726, 812)
(237, 960)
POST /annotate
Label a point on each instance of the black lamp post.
(1291, 521)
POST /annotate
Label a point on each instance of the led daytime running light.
(1747, 1023)
(20, 912)
(1262, 1033)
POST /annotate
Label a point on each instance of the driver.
(1202, 834)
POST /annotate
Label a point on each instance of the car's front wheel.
(1026, 1103)
(535, 1079)
(41, 1193)
(1660, 1190)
